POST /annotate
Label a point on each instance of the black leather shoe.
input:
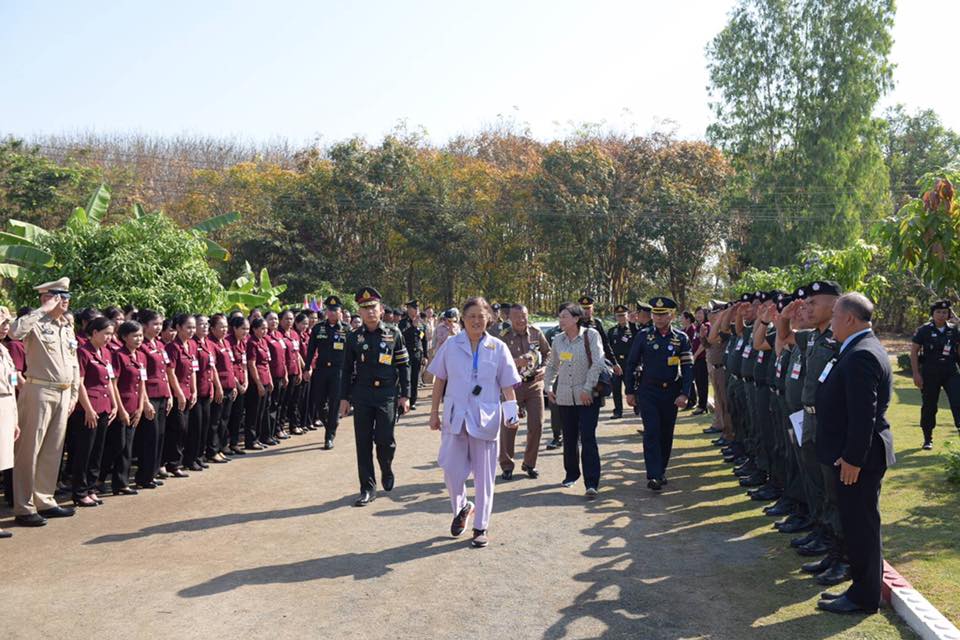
(766, 493)
(616, 415)
(719, 442)
(366, 497)
(838, 572)
(818, 566)
(554, 444)
(507, 475)
(148, 485)
(843, 605)
(782, 507)
(804, 540)
(5, 534)
(387, 481)
(530, 471)
(803, 524)
(654, 485)
(179, 473)
(709, 430)
(328, 444)
(125, 491)
(826, 595)
(756, 480)
(740, 459)
(816, 548)
(237, 451)
(32, 520)
(58, 512)
(745, 470)
(195, 467)
(459, 523)
(927, 445)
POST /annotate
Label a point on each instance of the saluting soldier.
(376, 380)
(666, 358)
(530, 350)
(415, 339)
(933, 357)
(328, 341)
(620, 337)
(47, 398)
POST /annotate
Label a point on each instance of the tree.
(915, 145)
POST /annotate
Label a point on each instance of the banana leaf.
(217, 222)
(8, 270)
(27, 256)
(98, 204)
(27, 231)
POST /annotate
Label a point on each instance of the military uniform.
(667, 362)
(376, 374)
(533, 346)
(328, 344)
(594, 323)
(50, 392)
(415, 339)
(620, 339)
(555, 426)
(938, 367)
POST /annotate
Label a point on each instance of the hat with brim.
(662, 305)
(367, 297)
(56, 287)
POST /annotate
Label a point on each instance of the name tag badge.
(779, 368)
(566, 356)
(739, 344)
(243, 359)
(338, 346)
(747, 351)
(195, 364)
(386, 358)
(946, 349)
(825, 372)
(760, 355)
(166, 358)
(143, 373)
(213, 360)
(625, 339)
(283, 345)
(296, 344)
(230, 355)
(110, 371)
(13, 379)
(673, 361)
(795, 372)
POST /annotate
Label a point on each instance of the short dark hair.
(572, 308)
(689, 316)
(100, 323)
(858, 305)
(128, 327)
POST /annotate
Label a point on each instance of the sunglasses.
(65, 295)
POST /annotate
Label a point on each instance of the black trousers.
(374, 419)
(580, 443)
(197, 427)
(325, 389)
(148, 442)
(935, 379)
(618, 395)
(292, 408)
(175, 436)
(235, 421)
(86, 451)
(274, 404)
(415, 363)
(859, 506)
(219, 424)
(257, 422)
(701, 382)
(117, 454)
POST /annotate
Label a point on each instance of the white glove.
(510, 412)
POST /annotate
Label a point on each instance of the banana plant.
(19, 249)
(245, 292)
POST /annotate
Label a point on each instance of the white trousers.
(460, 455)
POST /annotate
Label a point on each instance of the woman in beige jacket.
(9, 431)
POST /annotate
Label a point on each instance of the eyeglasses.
(65, 295)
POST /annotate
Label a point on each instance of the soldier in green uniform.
(376, 380)
(415, 339)
(729, 327)
(933, 358)
(620, 338)
(764, 378)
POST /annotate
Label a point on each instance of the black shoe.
(758, 479)
(58, 512)
(179, 473)
(655, 485)
(125, 491)
(826, 595)
(815, 548)
(32, 520)
(554, 444)
(708, 430)
(783, 507)
(805, 523)
(459, 523)
(927, 445)
(5, 534)
(366, 497)
(203, 464)
(616, 415)
(159, 483)
(818, 566)
(387, 481)
(273, 442)
(766, 493)
(256, 446)
(699, 411)
(507, 475)
(237, 451)
(843, 605)
(838, 572)
(195, 467)
(479, 538)
(328, 444)
(530, 471)
(720, 442)
(802, 541)
(147, 485)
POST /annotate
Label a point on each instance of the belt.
(811, 410)
(659, 384)
(50, 384)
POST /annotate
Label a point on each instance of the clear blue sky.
(303, 70)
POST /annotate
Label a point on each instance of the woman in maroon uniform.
(237, 340)
(182, 376)
(149, 436)
(278, 376)
(95, 410)
(115, 314)
(130, 369)
(207, 383)
(258, 393)
(224, 393)
(291, 400)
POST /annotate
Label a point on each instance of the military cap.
(940, 304)
(772, 295)
(495, 306)
(824, 287)
(451, 314)
(620, 308)
(56, 287)
(585, 301)
(748, 296)
(414, 304)
(783, 299)
(662, 304)
(333, 303)
(643, 306)
(506, 306)
(717, 305)
(367, 297)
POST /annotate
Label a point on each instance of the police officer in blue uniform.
(328, 343)
(376, 380)
(620, 338)
(665, 356)
(933, 356)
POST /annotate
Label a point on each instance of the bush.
(952, 463)
(903, 361)
(148, 262)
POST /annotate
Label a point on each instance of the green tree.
(914, 145)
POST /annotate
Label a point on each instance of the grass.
(920, 509)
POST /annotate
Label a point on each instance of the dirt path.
(269, 547)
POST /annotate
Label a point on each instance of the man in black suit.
(853, 436)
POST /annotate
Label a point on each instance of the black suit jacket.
(852, 404)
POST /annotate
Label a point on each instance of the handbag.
(604, 386)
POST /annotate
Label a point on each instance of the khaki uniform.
(721, 417)
(51, 389)
(8, 408)
(529, 395)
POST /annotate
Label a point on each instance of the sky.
(321, 71)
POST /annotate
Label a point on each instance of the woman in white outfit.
(472, 370)
(9, 431)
